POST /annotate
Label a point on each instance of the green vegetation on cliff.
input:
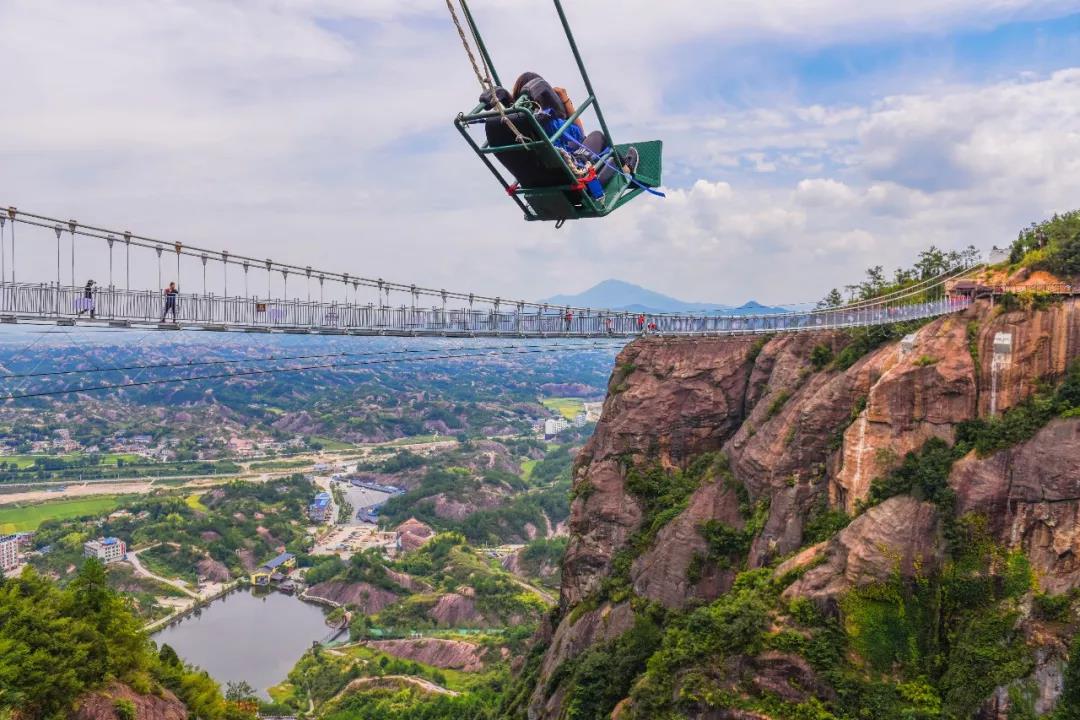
(1052, 245)
(56, 644)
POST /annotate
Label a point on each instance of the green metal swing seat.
(554, 193)
(550, 189)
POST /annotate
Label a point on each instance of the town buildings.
(106, 549)
(9, 552)
(273, 570)
(554, 426)
(319, 509)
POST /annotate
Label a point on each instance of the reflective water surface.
(247, 636)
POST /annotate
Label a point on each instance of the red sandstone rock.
(101, 705)
(413, 534)
(447, 654)
(900, 536)
(1031, 495)
(367, 598)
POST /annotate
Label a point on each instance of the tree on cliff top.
(59, 644)
(1052, 245)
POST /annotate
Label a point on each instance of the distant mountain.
(620, 295)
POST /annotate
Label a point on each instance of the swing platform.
(561, 196)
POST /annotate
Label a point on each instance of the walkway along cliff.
(750, 537)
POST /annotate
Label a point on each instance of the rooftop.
(279, 560)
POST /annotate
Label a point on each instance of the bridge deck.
(117, 308)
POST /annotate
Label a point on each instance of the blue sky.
(860, 72)
(805, 139)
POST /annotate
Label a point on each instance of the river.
(246, 636)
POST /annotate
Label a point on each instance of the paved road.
(39, 492)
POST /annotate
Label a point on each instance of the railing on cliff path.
(79, 247)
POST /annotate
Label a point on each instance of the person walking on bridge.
(170, 294)
(87, 302)
(568, 318)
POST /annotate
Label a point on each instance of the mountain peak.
(618, 294)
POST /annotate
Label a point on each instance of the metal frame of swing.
(565, 201)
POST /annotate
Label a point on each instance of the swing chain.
(486, 83)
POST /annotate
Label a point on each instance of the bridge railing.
(109, 304)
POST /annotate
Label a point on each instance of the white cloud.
(319, 133)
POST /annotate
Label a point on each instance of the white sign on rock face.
(1001, 360)
(1003, 343)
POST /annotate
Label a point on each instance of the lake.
(246, 636)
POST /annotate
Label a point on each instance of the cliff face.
(800, 441)
(1031, 496)
(666, 400)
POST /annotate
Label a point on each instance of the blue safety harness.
(572, 141)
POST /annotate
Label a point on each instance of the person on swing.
(555, 108)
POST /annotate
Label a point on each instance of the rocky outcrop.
(1031, 496)
(408, 581)
(900, 537)
(782, 450)
(456, 610)
(365, 597)
(101, 705)
(915, 395)
(247, 559)
(412, 534)
(781, 675)
(1043, 344)
(573, 636)
(547, 572)
(213, 570)
(663, 573)
(446, 654)
(451, 507)
(800, 440)
(668, 401)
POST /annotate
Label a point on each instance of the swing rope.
(486, 83)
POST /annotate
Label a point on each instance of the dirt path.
(544, 594)
(389, 680)
(140, 569)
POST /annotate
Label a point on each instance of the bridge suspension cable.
(506, 318)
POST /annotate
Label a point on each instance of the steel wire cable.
(415, 290)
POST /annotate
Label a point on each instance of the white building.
(106, 550)
(9, 552)
(554, 426)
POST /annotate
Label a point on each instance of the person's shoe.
(630, 162)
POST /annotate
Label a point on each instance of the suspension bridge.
(349, 304)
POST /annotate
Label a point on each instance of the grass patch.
(527, 467)
(332, 444)
(778, 403)
(193, 502)
(569, 408)
(29, 517)
(418, 440)
(107, 459)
